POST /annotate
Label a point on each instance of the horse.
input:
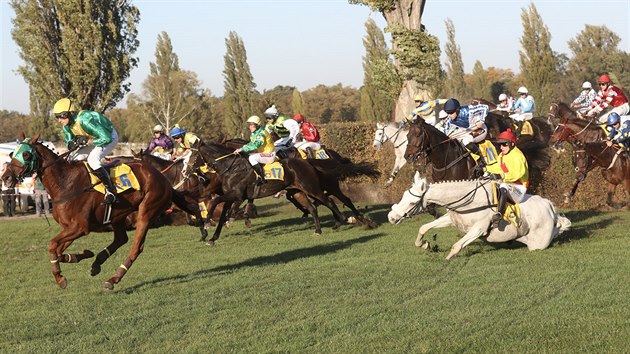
(470, 209)
(300, 179)
(615, 165)
(79, 210)
(397, 135)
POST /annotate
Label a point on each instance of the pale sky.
(304, 43)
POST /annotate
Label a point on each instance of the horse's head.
(417, 142)
(25, 160)
(379, 136)
(411, 202)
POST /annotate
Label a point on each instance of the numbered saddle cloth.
(122, 175)
(490, 155)
(527, 128)
(512, 212)
(274, 171)
(320, 154)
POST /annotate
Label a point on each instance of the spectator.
(42, 206)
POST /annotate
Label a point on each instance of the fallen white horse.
(398, 137)
(470, 209)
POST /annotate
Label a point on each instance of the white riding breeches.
(515, 191)
(469, 138)
(622, 110)
(94, 154)
(522, 116)
(308, 144)
(262, 157)
(281, 144)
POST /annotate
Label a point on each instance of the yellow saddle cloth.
(123, 178)
(512, 212)
(489, 153)
(320, 154)
(274, 171)
(527, 128)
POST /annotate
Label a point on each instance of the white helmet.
(522, 89)
(502, 97)
(442, 114)
(587, 85)
(255, 120)
(158, 129)
(271, 111)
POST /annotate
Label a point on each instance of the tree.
(381, 82)
(239, 86)
(297, 102)
(480, 86)
(537, 61)
(281, 96)
(455, 84)
(416, 53)
(336, 103)
(77, 49)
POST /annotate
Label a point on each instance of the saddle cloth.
(122, 175)
(320, 154)
(274, 171)
(512, 212)
(527, 128)
(489, 153)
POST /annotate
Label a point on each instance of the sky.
(304, 43)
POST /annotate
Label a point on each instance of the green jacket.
(259, 141)
(91, 124)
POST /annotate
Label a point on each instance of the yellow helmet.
(255, 120)
(418, 98)
(63, 105)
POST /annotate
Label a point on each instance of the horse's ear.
(21, 136)
(34, 139)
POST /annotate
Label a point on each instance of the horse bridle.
(394, 137)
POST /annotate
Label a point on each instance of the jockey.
(185, 143)
(424, 109)
(584, 100)
(310, 137)
(161, 145)
(515, 176)
(608, 95)
(285, 128)
(618, 133)
(261, 144)
(470, 125)
(523, 108)
(78, 129)
(505, 103)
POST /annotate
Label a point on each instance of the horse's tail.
(342, 171)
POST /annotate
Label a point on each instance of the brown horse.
(239, 184)
(78, 209)
(614, 162)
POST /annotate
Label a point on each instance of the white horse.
(470, 209)
(398, 137)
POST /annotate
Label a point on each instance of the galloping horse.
(397, 135)
(613, 161)
(470, 210)
(300, 179)
(79, 210)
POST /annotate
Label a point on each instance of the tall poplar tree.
(297, 102)
(239, 100)
(537, 61)
(454, 83)
(479, 86)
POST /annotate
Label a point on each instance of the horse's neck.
(396, 135)
(457, 194)
(58, 176)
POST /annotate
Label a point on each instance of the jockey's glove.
(72, 145)
(81, 140)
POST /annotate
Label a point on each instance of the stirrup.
(110, 198)
(496, 219)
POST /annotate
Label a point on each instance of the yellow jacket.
(514, 167)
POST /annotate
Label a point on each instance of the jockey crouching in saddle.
(608, 95)
(78, 129)
(260, 147)
(618, 133)
(523, 109)
(161, 145)
(186, 144)
(285, 128)
(515, 176)
(424, 109)
(582, 103)
(310, 137)
(505, 103)
(466, 124)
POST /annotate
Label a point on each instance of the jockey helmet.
(522, 89)
(158, 129)
(502, 97)
(298, 118)
(418, 98)
(506, 136)
(64, 105)
(442, 114)
(254, 120)
(613, 118)
(604, 79)
(451, 105)
(271, 112)
(587, 85)
(177, 132)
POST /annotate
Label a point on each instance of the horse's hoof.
(227, 224)
(305, 215)
(87, 254)
(317, 234)
(351, 220)
(95, 270)
(63, 282)
(425, 245)
(210, 243)
(248, 223)
(108, 286)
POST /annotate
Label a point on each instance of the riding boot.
(310, 153)
(110, 193)
(519, 128)
(261, 175)
(496, 218)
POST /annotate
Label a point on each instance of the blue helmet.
(451, 105)
(613, 118)
(177, 131)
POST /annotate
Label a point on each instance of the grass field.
(277, 288)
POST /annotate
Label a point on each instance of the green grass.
(277, 288)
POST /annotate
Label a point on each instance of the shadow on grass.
(278, 258)
(577, 232)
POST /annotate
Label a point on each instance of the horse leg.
(609, 199)
(291, 198)
(326, 201)
(120, 238)
(56, 246)
(443, 221)
(190, 205)
(477, 230)
(222, 219)
(334, 190)
(303, 199)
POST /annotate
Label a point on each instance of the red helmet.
(604, 79)
(298, 118)
(507, 136)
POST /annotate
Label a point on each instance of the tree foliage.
(479, 86)
(455, 86)
(11, 124)
(239, 100)
(336, 103)
(297, 102)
